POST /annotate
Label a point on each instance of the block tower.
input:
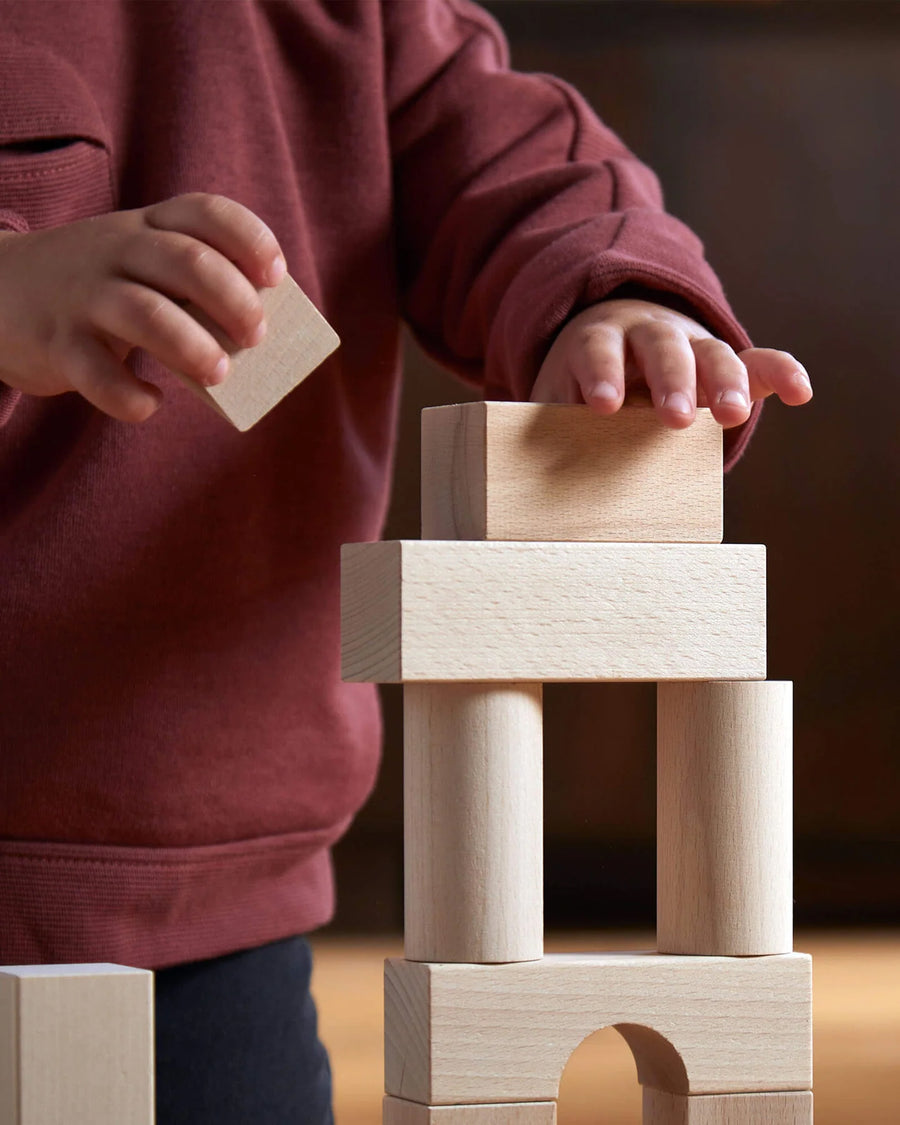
(561, 546)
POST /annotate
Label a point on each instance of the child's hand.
(75, 299)
(622, 344)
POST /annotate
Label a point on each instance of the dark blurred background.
(773, 126)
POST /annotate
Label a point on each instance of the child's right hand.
(76, 299)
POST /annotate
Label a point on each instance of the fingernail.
(256, 335)
(277, 270)
(605, 392)
(678, 402)
(800, 376)
(220, 371)
(734, 398)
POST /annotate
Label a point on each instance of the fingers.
(636, 345)
(722, 382)
(146, 319)
(181, 267)
(92, 370)
(227, 226)
(598, 368)
(775, 372)
(665, 359)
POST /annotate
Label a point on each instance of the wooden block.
(458, 1034)
(794, 1108)
(396, 1111)
(724, 818)
(76, 1045)
(416, 610)
(473, 822)
(297, 340)
(524, 470)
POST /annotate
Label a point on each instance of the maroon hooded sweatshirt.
(177, 750)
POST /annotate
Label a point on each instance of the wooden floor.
(857, 1032)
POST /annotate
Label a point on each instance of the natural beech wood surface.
(856, 1028)
(724, 818)
(396, 1111)
(728, 1109)
(414, 610)
(473, 817)
(457, 1034)
(532, 471)
(76, 1045)
(298, 338)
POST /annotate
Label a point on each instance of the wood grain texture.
(416, 610)
(396, 1111)
(533, 471)
(724, 818)
(794, 1108)
(473, 822)
(297, 340)
(458, 1034)
(76, 1045)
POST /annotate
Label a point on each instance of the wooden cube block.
(521, 470)
(297, 340)
(459, 1034)
(396, 1111)
(76, 1045)
(420, 610)
(794, 1108)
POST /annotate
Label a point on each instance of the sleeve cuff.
(10, 221)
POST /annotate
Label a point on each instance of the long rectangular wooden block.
(297, 340)
(524, 470)
(76, 1045)
(794, 1108)
(396, 1111)
(457, 1034)
(418, 610)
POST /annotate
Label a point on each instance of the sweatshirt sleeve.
(9, 398)
(517, 207)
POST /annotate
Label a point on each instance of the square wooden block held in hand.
(297, 340)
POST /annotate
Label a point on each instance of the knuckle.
(214, 206)
(194, 255)
(144, 305)
(661, 335)
(711, 345)
(251, 310)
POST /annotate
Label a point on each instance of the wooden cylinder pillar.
(473, 822)
(724, 818)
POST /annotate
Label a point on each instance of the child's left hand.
(616, 345)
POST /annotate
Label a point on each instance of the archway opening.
(599, 1085)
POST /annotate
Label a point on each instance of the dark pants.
(237, 1042)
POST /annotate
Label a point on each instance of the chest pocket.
(54, 147)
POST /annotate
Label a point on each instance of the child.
(178, 752)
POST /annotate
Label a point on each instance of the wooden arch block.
(525, 470)
(794, 1108)
(419, 610)
(461, 1034)
(397, 1111)
(76, 1045)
